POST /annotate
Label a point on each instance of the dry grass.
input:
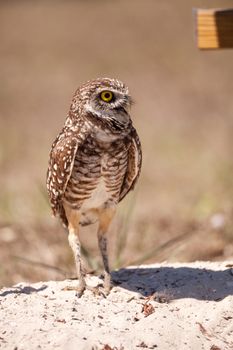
(182, 208)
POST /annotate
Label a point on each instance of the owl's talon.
(97, 291)
(79, 294)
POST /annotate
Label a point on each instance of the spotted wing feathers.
(61, 162)
(133, 166)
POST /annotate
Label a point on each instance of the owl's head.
(105, 99)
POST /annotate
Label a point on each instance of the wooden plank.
(214, 28)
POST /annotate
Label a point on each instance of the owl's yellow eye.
(106, 96)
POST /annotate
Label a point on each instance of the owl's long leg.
(73, 217)
(105, 219)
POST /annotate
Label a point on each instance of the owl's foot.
(97, 291)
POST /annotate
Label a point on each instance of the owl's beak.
(127, 108)
(128, 103)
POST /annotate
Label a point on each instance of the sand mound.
(162, 306)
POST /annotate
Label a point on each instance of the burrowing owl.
(94, 162)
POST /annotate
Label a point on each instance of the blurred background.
(182, 208)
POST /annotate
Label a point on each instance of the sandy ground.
(162, 306)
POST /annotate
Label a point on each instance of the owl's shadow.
(176, 282)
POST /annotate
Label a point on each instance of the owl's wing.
(133, 166)
(61, 163)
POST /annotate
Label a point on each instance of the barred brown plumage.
(94, 162)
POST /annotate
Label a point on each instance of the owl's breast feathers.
(75, 152)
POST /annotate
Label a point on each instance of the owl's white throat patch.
(88, 107)
(104, 136)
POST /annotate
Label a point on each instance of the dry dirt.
(162, 306)
(183, 113)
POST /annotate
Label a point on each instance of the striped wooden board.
(214, 28)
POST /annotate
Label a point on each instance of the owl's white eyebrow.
(113, 91)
